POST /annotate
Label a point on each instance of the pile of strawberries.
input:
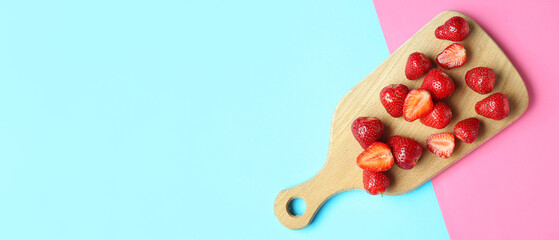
(425, 104)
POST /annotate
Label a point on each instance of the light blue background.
(183, 120)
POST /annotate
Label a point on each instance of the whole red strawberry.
(452, 56)
(375, 182)
(418, 103)
(439, 117)
(376, 157)
(406, 151)
(455, 29)
(467, 130)
(367, 130)
(392, 98)
(439, 84)
(418, 65)
(441, 144)
(481, 79)
(496, 106)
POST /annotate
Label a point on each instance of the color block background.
(183, 120)
(506, 188)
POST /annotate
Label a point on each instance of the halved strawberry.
(441, 144)
(375, 182)
(418, 103)
(439, 117)
(418, 65)
(452, 56)
(376, 157)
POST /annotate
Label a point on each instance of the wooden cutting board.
(341, 173)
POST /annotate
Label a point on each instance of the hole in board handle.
(296, 207)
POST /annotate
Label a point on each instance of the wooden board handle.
(314, 192)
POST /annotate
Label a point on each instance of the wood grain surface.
(340, 172)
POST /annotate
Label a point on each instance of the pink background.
(507, 188)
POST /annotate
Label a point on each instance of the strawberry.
(439, 84)
(406, 151)
(441, 144)
(467, 129)
(367, 130)
(439, 117)
(375, 182)
(418, 103)
(495, 106)
(392, 98)
(455, 29)
(417, 66)
(452, 56)
(481, 79)
(376, 157)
